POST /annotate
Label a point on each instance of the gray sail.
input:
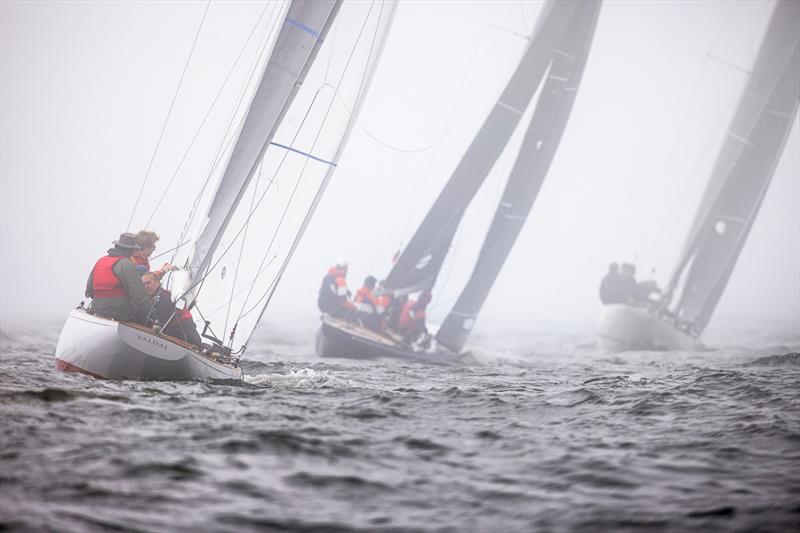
(536, 154)
(742, 171)
(420, 262)
(299, 40)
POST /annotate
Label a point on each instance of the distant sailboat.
(742, 173)
(288, 144)
(557, 52)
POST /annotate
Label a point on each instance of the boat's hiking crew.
(620, 286)
(115, 286)
(412, 317)
(178, 322)
(146, 240)
(370, 310)
(333, 296)
(611, 287)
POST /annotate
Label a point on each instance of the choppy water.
(528, 436)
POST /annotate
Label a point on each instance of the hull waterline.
(627, 327)
(109, 349)
(339, 338)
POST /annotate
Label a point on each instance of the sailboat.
(740, 178)
(288, 142)
(554, 61)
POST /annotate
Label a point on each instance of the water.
(528, 435)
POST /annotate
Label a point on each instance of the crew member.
(175, 322)
(114, 284)
(147, 245)
(610, 287)
(368, 306)
(412, 317)
(333, 296)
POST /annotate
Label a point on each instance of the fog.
(85, 88)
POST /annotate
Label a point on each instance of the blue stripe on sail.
(302, 27)
(303, 153)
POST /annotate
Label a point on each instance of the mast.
(537, 151)
(742, 172)
(421, 260)
(301, 35)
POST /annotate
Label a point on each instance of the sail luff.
(717, 241)
(774, 52)
(420, 262)
(536, 153)
(391, 6)
(301, 35)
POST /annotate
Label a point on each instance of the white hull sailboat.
(108, 349)
(288, 143)
(741, 176)
(629, 327)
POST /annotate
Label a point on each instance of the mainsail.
(742, 172)
(422, 259)
(287, 149)
(536, 153)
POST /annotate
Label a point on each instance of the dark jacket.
(135, 305)
(180, 325)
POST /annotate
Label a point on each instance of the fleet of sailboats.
(740, 178)
(278, 155)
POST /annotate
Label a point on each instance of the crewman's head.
(147, 242)
(151, 283)
(341, 264)
(370, 281)
(613, 268)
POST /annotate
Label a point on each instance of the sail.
(742, 171)
(530, 168)
(264, 224)
(420, 262)
(303, 30)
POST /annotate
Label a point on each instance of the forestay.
(530, 168)
(742, 171)
(288, 146)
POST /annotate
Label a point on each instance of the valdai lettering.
(151, 341)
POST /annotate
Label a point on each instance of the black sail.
(530, 168)
(420, 262)
(742, 171)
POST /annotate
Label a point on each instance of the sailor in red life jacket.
(179, 322)
(370, 310)
(115, 286)
(412, 317)
(141, 257)
(333, 293)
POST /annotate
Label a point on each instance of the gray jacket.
(135, 306)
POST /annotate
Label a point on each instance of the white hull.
(109, 349)
(626, 327)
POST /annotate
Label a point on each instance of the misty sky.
(85, 87)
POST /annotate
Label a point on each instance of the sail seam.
(510, 108)
(741, 139)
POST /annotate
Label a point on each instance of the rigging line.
(272, 287)
(241, 248)
(169, 113)
(170, 250)
(243, 289)
(223, 145)
(207, 114)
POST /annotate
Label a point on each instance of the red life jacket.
(106, 284)
(411, 313)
